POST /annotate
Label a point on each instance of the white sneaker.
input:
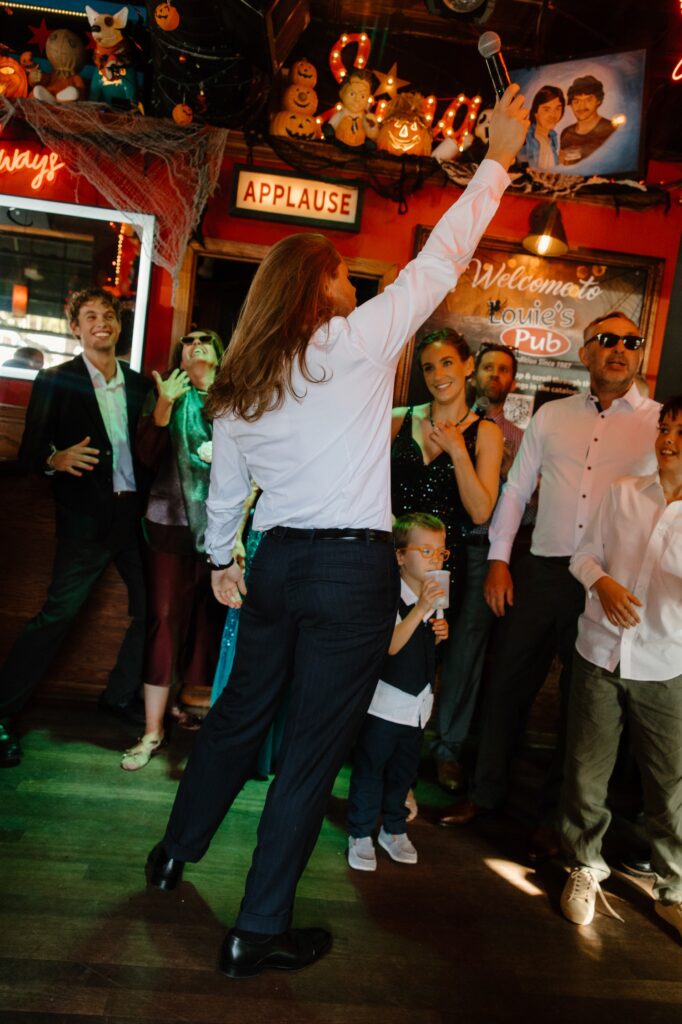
(670, 912)
(399, 848)
(580, 896)
(361, 855)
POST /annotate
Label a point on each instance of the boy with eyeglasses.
(628, 665)
(387, 750)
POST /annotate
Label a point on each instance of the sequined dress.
(417, 486)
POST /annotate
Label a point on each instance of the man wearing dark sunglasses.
(578, 446)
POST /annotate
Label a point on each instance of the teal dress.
(268, 752)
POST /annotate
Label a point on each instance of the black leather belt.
(477, 540)
(366, 536)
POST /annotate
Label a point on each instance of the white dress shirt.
(394, 705)
(578, 451)
(111, 398)
(636, 538)
(322, 460)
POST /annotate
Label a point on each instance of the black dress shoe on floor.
(163, 872)
(638, 865)
(289, 951)
(132, 712)
(10, 751)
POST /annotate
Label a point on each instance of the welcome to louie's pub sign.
(285, 196)
(539, 307)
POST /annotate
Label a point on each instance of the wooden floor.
(468, 935)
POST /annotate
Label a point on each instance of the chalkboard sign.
(539, 307)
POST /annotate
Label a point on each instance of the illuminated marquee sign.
(43, 165)
(281, 195)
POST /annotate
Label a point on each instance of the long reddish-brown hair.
(286, 303)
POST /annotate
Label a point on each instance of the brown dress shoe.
(544, 844)
(461, 813)
(450, 776)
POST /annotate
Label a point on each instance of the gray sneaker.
(579, 898)
(399, 848)
(361, 855)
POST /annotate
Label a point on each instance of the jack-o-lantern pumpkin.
(13, 81)
(295, 126)
(182, 113)
(405, 129)
(303, 73)
(166, 17)
(300, 99)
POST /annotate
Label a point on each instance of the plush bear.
(63, 84)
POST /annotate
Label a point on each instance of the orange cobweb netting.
(138, 164)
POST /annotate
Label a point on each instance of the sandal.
(142, 753)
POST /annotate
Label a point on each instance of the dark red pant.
(184, 621)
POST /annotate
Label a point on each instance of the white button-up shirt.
(394, 705)
(578, 451)
(322, 460)
(111, 398)
(636, 538)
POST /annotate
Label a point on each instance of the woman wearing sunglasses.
(184, 621)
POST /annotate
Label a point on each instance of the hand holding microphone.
(510, 120)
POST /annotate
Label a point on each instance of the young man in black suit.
(80, 426)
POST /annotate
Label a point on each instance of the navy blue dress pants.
(318, 620)
(385, 765)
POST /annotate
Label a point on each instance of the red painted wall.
(388, 236)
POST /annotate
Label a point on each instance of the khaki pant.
(598, 706)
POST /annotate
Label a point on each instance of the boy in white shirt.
(388, 747)
(629, 663)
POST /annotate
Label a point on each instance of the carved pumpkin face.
(13, 80)
(166, 17)
(295, 126)
(401, 135)
(182, 114)
(303, 73)
(300, 99)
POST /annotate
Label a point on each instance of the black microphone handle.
(498, 73)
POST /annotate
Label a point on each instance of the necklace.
(454, 424)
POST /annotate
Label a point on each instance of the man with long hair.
(302, 404)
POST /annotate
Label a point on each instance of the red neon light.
(45, 165)
(19, 299)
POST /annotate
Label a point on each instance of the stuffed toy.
(114, 80)
(66, 53)
(353, 124)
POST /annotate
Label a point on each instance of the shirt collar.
(410, 598)
(632, 397)
(97, 377)
(653, 481)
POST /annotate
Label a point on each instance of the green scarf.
(188, 429)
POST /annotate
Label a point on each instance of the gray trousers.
(599, 703)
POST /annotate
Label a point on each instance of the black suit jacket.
(62, 411)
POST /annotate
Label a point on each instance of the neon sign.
(677, 73)
(45, 165)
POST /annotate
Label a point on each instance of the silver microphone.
(490, 48)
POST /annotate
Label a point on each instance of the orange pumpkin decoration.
(405, 129)
(182, 114)
(166, 17)
(13, 81)
(303, 73)
(295, 126)
(300, 99)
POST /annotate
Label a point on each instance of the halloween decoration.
(63, 84)
(300, 100)
(405, 129)
(182, 113)
(13, 81)
(114, 80)
(352, 123)
(166, 17)
(389, 83)
(338, 68)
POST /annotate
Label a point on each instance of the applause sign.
(283, 196)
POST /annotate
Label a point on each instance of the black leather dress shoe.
(131, 712)
(289, 951)
(10, 751)
(163, 872)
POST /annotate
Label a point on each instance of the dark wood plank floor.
(470, 934)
